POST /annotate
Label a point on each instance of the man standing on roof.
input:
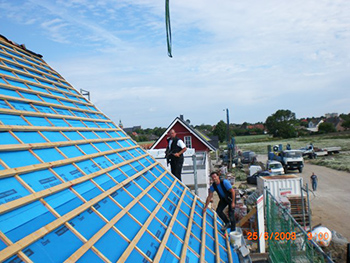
(227, 198)
(174, 153)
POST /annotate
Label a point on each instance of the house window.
(188, 141)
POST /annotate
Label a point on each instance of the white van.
(275, 167)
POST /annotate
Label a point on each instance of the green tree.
(326, 127)
(220, 130)
(281, 124)
(346, 118)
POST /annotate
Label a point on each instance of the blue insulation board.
(68, 174)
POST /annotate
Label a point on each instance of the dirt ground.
(331, 203)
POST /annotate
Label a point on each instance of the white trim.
(189, 138)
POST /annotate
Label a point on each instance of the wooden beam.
(169, 229)
(217, 250)
(136, 239)
(26, 146)
(8, 86)
(48, 128)
(204, 221)
(16, 71)
(188, 232)
(33, 68)
(44, 103)
(49, 115)
(246, 217)
(36, 235)
(42, 166)
(229, 254)
(82, 250)
(57, 188)
(8, 242)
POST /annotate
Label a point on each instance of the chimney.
(182, 117)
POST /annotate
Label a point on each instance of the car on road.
(253, 178)
(274, 167)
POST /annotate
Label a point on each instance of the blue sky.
(252, 57)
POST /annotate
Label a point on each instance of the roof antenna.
(168, 28)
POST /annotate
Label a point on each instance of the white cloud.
(253, 57)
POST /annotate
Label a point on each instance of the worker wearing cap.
(174, 153)
(227, 198)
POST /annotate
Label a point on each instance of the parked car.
(248, 157)
(274, 167)
(252, 179)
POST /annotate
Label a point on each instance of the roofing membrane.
(75, 187)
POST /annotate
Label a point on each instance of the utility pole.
(228, 142)
(228, 126)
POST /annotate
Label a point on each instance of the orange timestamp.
(319, 235)
(272, 236)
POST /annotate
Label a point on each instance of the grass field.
(340, 161)
(259, 143)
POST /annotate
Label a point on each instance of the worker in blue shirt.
(227, 198)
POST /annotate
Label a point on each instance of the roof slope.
(198, 135)
(75, 187)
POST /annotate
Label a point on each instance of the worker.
(227, 198)
(174, 153)
(314, 181)
(223, 169)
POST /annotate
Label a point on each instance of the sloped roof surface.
(75, 187)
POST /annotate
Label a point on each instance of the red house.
(185, 132)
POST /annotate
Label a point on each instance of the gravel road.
(331, 203)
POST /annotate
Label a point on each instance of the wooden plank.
(26, 146)
(169, 229)
(204, 222)
(102, 256)
(82, 250)
(246, 217)
(33, 68)
(44, 103)
(36, 235)
(217, 250)
(17, 71)
(8, 86)
(229, 254)
(41, 166)
(49, 115)
(188, 232)
(41, 194)
(136, 239)
(8, 242)
(47, 128)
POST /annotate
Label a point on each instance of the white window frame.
(188, 141)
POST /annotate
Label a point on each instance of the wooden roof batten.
(18, 89)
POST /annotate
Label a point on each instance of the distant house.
(191, 137)
(256, 126)
(337, 123)
(314, 124)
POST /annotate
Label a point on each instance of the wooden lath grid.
(36, 72)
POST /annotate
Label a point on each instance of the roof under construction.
(75, 187)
